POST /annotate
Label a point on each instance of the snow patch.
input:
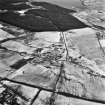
(48, 36)
(102, 42)
(4, 34)
(22, 12)
(17, 46)
(81, 32)
(1, 26)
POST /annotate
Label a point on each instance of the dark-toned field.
(38, 16)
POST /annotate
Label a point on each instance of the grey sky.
(65, 3)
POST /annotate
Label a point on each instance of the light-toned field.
(88, 45)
